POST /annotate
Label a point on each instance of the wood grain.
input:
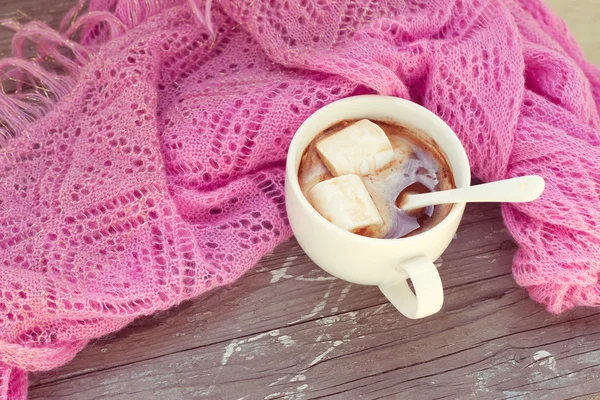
(288, 270)
(287, 330)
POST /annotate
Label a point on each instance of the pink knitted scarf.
(144, 166)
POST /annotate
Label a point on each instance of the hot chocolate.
(354, 172)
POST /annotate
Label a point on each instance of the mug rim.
(292, 175)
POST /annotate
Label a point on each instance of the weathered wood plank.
(478, 347)
(254, 303)
(483, 313)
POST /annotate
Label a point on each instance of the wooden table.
(286, 330)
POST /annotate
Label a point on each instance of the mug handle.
(429, 293)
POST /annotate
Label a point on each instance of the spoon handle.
(514, 190)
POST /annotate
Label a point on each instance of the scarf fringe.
(29, 88)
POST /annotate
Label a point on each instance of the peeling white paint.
(515, 395)
(229, 349)
(278, 274)
(380, 308)
(344, 293)
(328, 321)
(488, 377)
(236, 345)
(320, 337)
(592, 357)
(315, 279)
(481, 378)
(323, 354)
(302, 387)
(295, 394)
(545, 359)
(207, 391)
(286, 341)
(283, 378)
(317, 309)
(281, 273)
(289, 260)
(298, 378)
(347, 335)
(274, 332)
(142, 374)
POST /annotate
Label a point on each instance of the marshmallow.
(346, 203)
(312, 171)
(362, 148)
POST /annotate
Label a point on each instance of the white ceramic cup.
(387, 263)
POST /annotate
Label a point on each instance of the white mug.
(387, 263)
